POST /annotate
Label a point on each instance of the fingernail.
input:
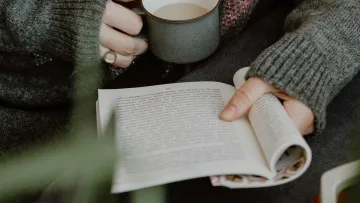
(229, 112)
(110, 57)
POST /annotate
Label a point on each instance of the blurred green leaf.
(149, 195)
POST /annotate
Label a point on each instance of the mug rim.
(180, 21)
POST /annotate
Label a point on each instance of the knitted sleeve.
(67, 29)
(318, 55)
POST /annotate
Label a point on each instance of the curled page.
(287, 153)
(293, 167)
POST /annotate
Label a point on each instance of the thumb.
(244, 98)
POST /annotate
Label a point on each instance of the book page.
(284, 148)
(275, 130)
(169, 133)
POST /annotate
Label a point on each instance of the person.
(306, 68)
(323, 55)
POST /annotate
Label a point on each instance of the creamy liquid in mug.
(180, 11)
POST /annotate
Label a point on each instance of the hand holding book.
(253, 89)
(169, 133)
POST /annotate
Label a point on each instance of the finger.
(121, 43)
(122, 18)
(301, 115)
(244, 98)
(121, 61)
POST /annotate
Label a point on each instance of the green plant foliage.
(89, 162)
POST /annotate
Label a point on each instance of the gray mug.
(186, 40)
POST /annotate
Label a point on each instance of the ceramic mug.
(182, 41)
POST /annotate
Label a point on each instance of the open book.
(172, 132)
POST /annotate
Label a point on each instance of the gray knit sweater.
(319, 54)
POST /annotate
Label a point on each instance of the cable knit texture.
(317, 57)
(39, 31)
(64, 28)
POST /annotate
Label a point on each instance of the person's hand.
(253, 89)
(120, 48)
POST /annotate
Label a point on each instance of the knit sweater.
(317, 57)
(314, 60)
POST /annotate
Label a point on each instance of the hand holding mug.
(120, 48)
(179, 31)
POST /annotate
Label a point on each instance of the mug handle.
(138, 11)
